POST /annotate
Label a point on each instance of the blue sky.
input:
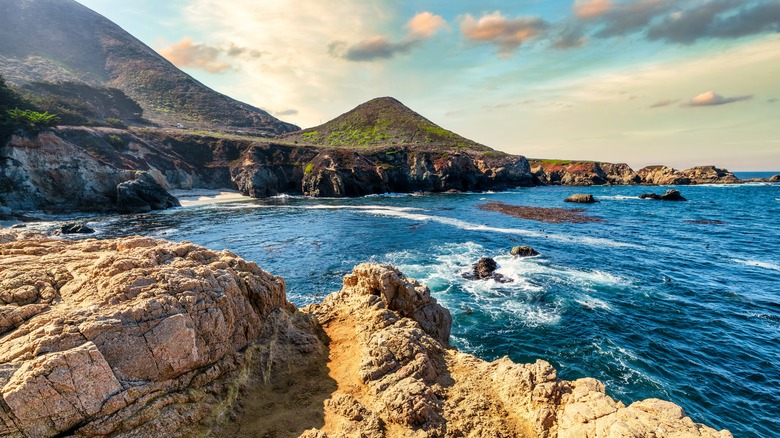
(638, 81)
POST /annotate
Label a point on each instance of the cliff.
(141, 337)
(80, 168)
(592, 173)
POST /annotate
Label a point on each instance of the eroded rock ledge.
(141, 337)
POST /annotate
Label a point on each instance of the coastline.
(383, 341)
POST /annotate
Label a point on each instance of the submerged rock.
(581, 198)
(74, 228)
(524, 251)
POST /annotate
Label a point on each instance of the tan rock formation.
(144, 338)
(132, 336)
(411, 384)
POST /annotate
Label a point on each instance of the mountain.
(56, 41)
(383, 121)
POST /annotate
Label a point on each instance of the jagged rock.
(670, 195)
(774, 178)
(143, 194)
(133, 336)
(523, 251)
(485, 269)
(75, 228)
(581, 198)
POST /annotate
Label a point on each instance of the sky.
(681, 83)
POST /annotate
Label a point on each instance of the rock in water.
(670, 195)
(775, 178)
(524, 251)
(143, 194)
(75, 228)
(581, 198)
(485, 269)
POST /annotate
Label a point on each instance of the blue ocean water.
(756, 174)
(679, 301)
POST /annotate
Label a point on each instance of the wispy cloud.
(710, 98)
(420, 28)
(506, 33)
(664, 102)
(370, 49)
(591, 8)
(287, 112)
(185, 54)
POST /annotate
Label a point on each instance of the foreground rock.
(581, 198)
(485, 269)
(144, 338)
(134, 337)
(670, 195)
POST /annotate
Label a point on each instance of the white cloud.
(507, 33)
(425, 25)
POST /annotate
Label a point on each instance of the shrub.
(116, 123)
(116, 141)
(309, 168)
(32, 121)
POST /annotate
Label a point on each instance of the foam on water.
(758, 264)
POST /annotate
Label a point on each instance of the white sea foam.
(195, 198)
(758, 264)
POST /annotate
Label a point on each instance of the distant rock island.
(138, 337)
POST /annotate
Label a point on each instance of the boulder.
(143, 194)
(581, 198)
(524, 251)
(670, 195)
(485, 269)
(75, 228)
(775, 178)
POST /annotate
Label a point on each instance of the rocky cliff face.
(270, 169)
(141, 337)
(84, 169)
(588, 173)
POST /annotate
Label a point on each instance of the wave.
(758, 264)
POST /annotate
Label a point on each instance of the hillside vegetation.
(382, 122)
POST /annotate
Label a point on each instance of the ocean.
(674, 300)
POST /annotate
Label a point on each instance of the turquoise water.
(652, 301)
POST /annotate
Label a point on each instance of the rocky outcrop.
(138, 337)
(670, 195)
(581, 173)
(75, 228)
(69, 169)
(590, 173)
(774, 178)
(485, 269)
(143, 194)
(523, 251)
(410, 384)
(130, 337)
(270, 169)
(663, 175)
(581, 198)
